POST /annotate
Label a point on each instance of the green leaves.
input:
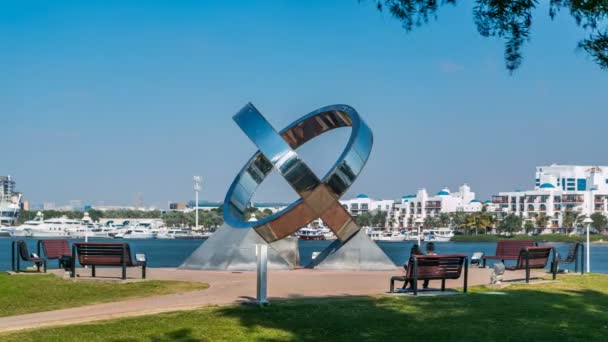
(511, 20)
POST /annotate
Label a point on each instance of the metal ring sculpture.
(318, 197)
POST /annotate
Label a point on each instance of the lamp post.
(588, 221)
(419, 222)
(197, 188)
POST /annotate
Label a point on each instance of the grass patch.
(21, 294)
(573, 309)
(538, 238)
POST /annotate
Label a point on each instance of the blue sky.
(101, 100)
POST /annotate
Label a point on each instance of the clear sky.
(100, 100)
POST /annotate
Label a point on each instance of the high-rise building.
(9, 201)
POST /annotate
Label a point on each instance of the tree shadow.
(521, 314)
(179, 335)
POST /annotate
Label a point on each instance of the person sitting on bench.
(430, 250)
(414, 251)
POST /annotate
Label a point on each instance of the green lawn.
(21, 294)
(574, 309)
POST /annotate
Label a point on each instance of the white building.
(421, 205)
(559, 189)
(364, 204)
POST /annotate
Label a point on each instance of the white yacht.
(438, 234)
(39, 227)
(137, 233)
(394, 236)
(102, 231)
(178, 234)
(413, 236)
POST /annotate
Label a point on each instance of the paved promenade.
(226, 288)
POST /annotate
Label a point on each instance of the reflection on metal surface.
(318, 197)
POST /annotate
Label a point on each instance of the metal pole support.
(261, 252)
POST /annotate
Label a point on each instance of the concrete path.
(227, 288)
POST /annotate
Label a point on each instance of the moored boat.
(438, 234)
(310, 234)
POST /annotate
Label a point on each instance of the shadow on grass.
(522, 314)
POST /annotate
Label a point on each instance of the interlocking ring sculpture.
(318, 197)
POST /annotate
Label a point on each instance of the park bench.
(533, 257)
(575, 255)
(105, 254)
(56, 249)
(20, 252)
(508, 250)
(434, 267)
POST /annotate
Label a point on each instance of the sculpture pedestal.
(360, 253)
(233, 249)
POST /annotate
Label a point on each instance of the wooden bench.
(56, 249)
(105, 254)
(20, 252)
(508, 250)
(434, 267)
(575, 255)
(533, 257)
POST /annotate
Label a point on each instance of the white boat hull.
(139, 236)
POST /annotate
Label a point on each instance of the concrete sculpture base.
(360, 253)
(233, 249)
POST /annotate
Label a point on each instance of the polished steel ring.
(318, 198)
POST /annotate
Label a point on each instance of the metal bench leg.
(93, 271)
(13, 256)
(527, 268)
(73, 262)
(466, 274)
(124, 262)
(582, 257)
(143, 272)
(392, 288)
(415, 281)
(442, 284)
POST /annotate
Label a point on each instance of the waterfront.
(170, 253)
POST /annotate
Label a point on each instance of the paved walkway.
(226, 288)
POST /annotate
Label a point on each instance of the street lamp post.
(419, 222)
(587, 221)
(197, 188)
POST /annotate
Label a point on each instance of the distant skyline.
(100, 101)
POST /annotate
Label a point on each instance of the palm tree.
(570, 219)
(444, 220)
(541, 221)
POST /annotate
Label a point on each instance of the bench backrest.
(509, 249)
(573, 252)
(103, 253)
(55, 249)
(447, 266)
(538, 257)
(22, 250)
